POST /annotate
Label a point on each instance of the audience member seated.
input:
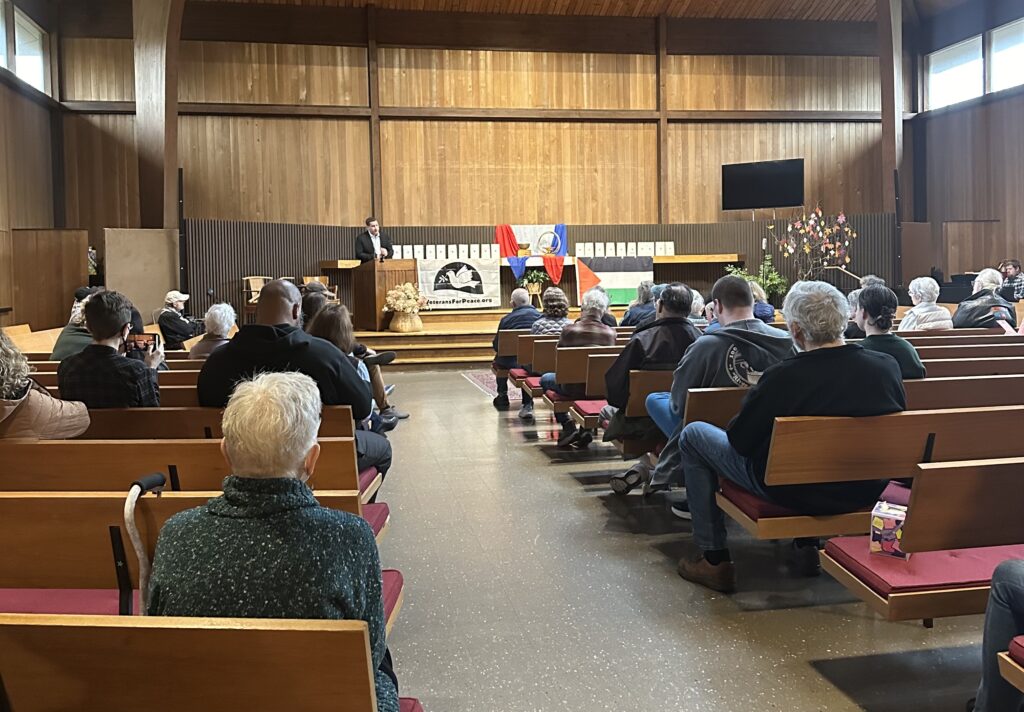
(100, 375)
(588, 330)
(265, 548)
(555, 315)
(174, 325)
(876, 307)
(218, 320)
(733, 356)
(1012, 288)
(1004, 621)
(74, 337)
(276, 343)
(608, 319)
(655, 347)
(641, 309)
(925, 315)
(762, 309)
(853, 331)
(81, 294)
(522, 316)
(334, 324)
(871, 280)
(698, 313)
(27, 410)
(312, 302)
(985, 309)
(828, 377)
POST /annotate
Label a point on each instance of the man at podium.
(373, 244)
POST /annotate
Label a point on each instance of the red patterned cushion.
(1017, 649)
(923, 571)
(518, 373)
(533, 382)
(376, 515)
(557, 397)
(409, 704)
(757, 508)
(366, 478)
(590, 407)
(81, 601)
(391, 590)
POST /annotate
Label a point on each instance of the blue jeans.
(1004, 620)
(659, 407)
(706, 454)
(547, 382)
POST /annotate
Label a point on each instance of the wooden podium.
(370, 284)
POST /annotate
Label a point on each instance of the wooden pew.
(958, 340)
(63, 540)
(170, 396)
(958, 516)
(88, 669)
(111, 465)
(45, 355)
(898, 442)
(572, 362)
(994, 366)
(970, 351)
(173, 364)
(164, 422)
(163, 378)
(507, 346)
(950, 332)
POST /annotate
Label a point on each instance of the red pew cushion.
(366, 478)
(533, 382)
(590, 407)
(1017, 649)
(757, 508)
(518, 373)
(391, 590)
(80, 601)
(923, 571)
(409, 704)
(376, 515)
(557, 397)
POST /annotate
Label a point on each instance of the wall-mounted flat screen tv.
(766, 184)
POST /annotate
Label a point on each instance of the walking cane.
(150, 483)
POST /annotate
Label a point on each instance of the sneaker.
(526, 412)
(500, 402)
(568, 436)
(720, 577)
(382, 358)
(393, 412)
(629, 480)
(583, 441)
(806, 561)
(681, 509)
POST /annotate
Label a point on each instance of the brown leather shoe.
(720, 578)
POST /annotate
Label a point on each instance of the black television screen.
(767, 184)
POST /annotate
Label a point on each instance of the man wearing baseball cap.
(174, 325)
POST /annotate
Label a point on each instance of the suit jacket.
(364, 247)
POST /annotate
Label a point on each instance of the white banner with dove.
(473, 283)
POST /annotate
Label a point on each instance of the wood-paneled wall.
(60, 255)
(472, 173)
(501, 79)
(276, 170)
(840, 164)
(96, 69)
(777, 82)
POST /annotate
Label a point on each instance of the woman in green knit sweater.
(265, 548)
(874, 314)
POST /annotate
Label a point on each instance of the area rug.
(484, 380)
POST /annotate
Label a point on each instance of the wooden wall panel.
(276, 170)
(27, 176)
(6, 279)
(98, 69)
(502, 79)
(840, 164)
(488, 173)
(251, 73)
(61, 256)
(778, 82)
(975, 173)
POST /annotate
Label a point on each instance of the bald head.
(280, 303)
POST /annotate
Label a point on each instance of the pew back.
(571, 362)
(948, 367)
(508, 341)
(597, 367)
(170, 396)
(165, 422)
(642, 384)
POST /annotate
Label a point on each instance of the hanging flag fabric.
(518, 265)
(618, 276)
(553, 265)
(539, 239)
(460, 283)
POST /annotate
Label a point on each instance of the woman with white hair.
(219, 320)
(642, 308)
(985, 308)
(27, 410)
(697, 316)
(265, 548)
(925, 315)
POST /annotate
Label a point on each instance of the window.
(29, 57)
(3, 36)
(1007, 56)
(955, 73)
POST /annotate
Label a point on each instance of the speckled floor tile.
(530, 588)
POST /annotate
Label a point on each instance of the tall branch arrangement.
(815, 241)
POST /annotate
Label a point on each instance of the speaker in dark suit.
(367, 250)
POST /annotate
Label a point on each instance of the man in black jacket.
(174, 325)
(522, 316)
(373, 244)
(829, 377)
(276, 342)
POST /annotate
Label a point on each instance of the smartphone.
(139, 342)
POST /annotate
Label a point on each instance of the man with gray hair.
(522, 316)
(827, 378)
(219, 320)
(588, 330)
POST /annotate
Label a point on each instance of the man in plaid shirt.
(100, 375)
(1013, 280)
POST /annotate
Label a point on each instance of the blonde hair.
(271, 424)
(14, 369)
(758, 291)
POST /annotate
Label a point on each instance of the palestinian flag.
(618, 276)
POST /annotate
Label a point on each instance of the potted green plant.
(533, 280)
(773, 283)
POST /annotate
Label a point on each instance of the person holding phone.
(100, 375)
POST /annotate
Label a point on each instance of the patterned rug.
(484, 380)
